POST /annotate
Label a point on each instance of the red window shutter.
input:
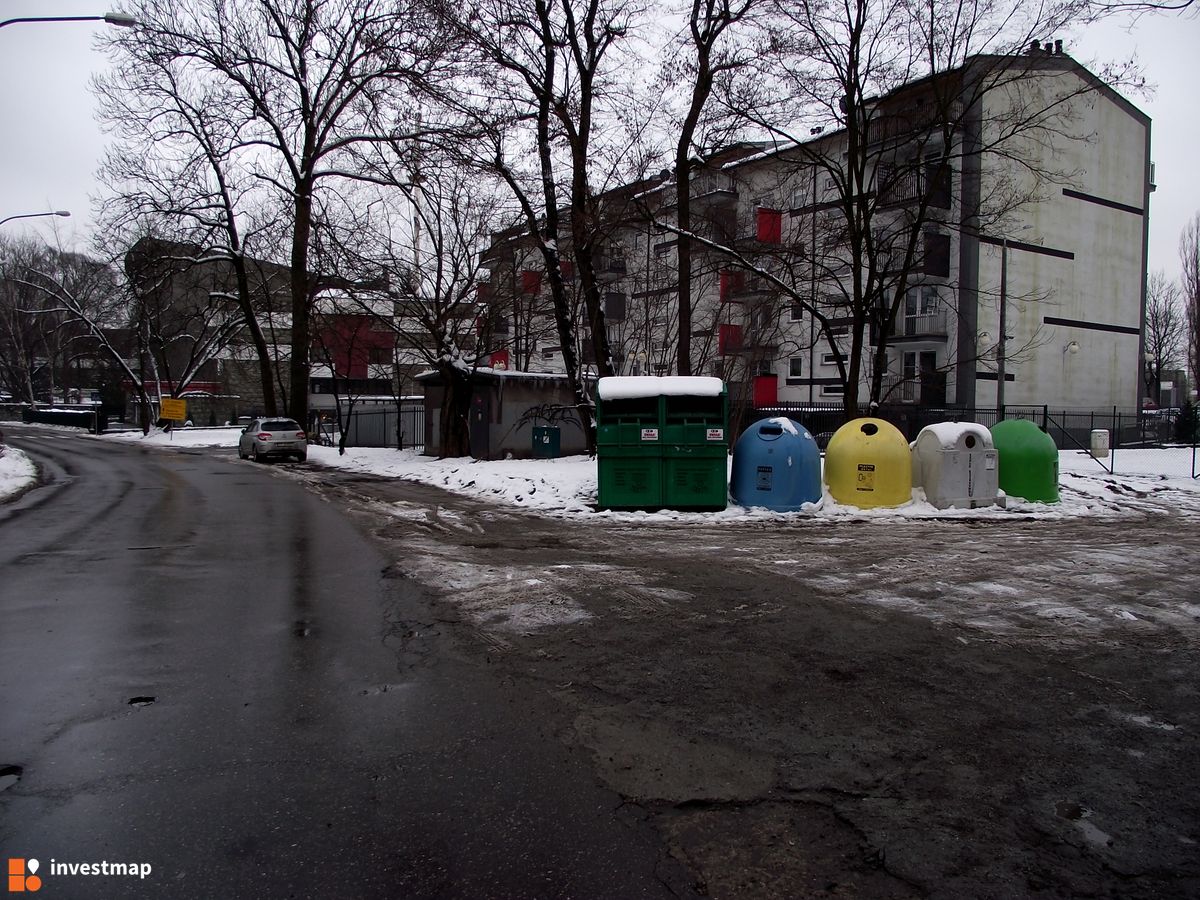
(531, 281)
(729, 339)
(766, 390)
(770, 225)
(731, 283)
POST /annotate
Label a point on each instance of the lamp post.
(57, 212)
(121, 20)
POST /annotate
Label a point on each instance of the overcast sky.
(50, 144)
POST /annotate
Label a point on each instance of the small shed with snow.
(957, 465)
(505, 407)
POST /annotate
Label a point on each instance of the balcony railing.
(924, 325)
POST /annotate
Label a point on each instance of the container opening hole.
(970, 441)
(770, 429)
(870, 428)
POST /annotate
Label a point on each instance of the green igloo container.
(1028, 461)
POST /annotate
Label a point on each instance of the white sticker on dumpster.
(649, 434)
(716, 434)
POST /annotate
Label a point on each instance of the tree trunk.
(299, 368)
(455, 432)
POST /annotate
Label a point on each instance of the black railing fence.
(1072, 429)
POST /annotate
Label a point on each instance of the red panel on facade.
(770, 226)
(531, 281)
(567, 267)
(731, 282)
(498, 360)
(347, 342)
(766, 390)
(729, 339)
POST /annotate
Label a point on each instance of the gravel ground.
(854, 709)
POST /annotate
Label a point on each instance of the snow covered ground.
(1147, 480)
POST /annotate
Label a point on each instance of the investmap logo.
(23, 877)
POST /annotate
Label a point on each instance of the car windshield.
(280, 425)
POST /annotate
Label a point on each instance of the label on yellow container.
(866, 478)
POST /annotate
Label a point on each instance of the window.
(832, 390)
(614, 306)
(795, 312)
(500, 326)
(796, 367)
(549, 352)
(831, 359)
(379, 355)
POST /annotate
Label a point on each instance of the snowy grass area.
(1148, 480)
(17, 471)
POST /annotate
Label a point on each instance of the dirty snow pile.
(17, 470)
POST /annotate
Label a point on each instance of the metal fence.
(386, 427)
(1154, 442)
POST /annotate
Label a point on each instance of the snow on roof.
(949, 433)
(625, 387)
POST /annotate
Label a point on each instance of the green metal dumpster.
(628, 451)
(661, 443)
(547, 442)
(695, 451)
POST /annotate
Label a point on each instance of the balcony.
(712, 190)
(609, 267)
(908, 185)
(925, 325)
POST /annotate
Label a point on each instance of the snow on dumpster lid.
(625, 387)
(948, 433)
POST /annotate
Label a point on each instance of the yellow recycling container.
(868, 464)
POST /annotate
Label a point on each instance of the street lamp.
(121, 20)
(57, 212)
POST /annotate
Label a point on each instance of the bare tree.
(1166, 331)
(308, 81)
(714, 54)
(1189, 279)
(551, 69)
(176, 172)
(424, 244)
(896, 104)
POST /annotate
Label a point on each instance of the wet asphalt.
(209, 669)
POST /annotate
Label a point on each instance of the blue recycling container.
(776, 465)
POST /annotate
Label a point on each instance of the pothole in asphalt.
(1068, 810)
(9, 775)
(141, 701)
(302, 629)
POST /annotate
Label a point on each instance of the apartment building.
(1015, 189)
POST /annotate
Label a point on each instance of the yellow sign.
(175, 410)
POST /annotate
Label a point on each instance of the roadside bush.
(1187, 424)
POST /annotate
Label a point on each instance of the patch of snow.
(787, 425)
(626, 387)
(948, 434)
(17, 471)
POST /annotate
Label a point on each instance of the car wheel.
(258, 455)
(302, 457)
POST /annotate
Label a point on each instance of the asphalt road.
(206, 667)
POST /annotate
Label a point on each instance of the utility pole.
(1001, 340)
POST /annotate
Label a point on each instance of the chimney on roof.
(1058, 48)
(1034, 47)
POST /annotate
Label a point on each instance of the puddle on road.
(141, 701)
(9, 775)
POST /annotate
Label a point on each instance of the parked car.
(273, 437)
